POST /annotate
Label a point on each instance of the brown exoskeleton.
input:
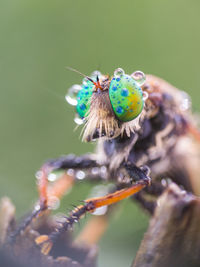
(144, 128)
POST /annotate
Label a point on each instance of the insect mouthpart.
(100, 121)
(98, 134)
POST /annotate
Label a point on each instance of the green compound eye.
(84, 98)
(126, 96)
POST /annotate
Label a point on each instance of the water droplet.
(98, 191)
(85, 81)
(164, 182)
(145, 95)
(52, 177)
(103, 169)
(119, 72)
(139, 77)
(60, 218)
(186, 101)
(70, 172)
(38, 175)
(95, 73)
(80, 175)
(100, 211)
(78, 120)
(37, 206)
(53, 202)
(72, 94)
(95, 170)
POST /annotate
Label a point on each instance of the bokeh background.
(38, 39)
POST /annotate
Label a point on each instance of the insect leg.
(63, 163)
(90, 205)
(58, 188)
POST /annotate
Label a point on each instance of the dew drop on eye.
(118, 73)
(139, 77)
(71, 96)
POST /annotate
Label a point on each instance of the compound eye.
(84, 99)
(126, 96)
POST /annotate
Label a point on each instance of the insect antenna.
(96, 84)
(82, 74)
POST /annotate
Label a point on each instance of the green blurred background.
(37, 40)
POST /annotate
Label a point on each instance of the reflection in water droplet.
(139, 77)
(78, 120)
(72, 94)
(80, 175)
(119, 72)
(186, 101)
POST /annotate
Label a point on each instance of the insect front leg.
(62, 163)
(58, 189)
(89, 206)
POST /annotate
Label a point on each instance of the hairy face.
(110, 107)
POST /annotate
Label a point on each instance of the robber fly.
(144, 132)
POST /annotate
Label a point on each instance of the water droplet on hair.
(186, 101)
(119, 72)
(80, 175)
(95, 170)
(38, 175)
(72, 94)
(103, 171)
(78, 120)
(164, 182)
(37, 206)
(139, 77)
(70, 172)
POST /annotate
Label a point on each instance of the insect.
(141, 125)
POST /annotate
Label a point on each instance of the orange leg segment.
(42, 187)
(116, 196)
(90, 205)
(56, 190)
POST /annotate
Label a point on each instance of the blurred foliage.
(40, 38)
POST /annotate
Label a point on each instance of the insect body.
(141, 127)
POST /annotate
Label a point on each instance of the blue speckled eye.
(84, 98)
(126, 96)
